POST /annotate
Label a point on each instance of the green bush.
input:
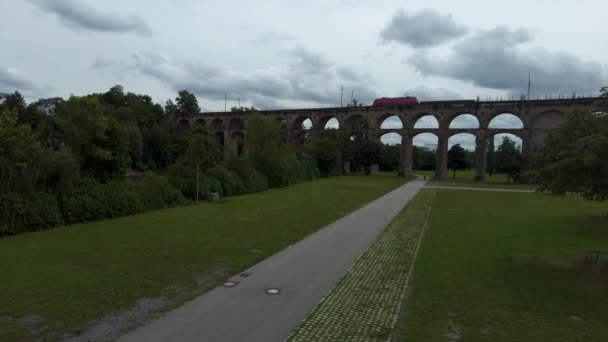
(91, 201)
(21, 212)
(155, 192)
(230, 181)
(253, 180)
(118, 200)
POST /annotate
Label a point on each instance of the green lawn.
(507, 267)
(55, 282)
(466, 178)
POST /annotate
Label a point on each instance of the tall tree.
(367, 153)
(509, 159)
(457, 159)
(202, 154)
(14, 101)
(186, 102)
(19, 150)
(326, 150)
(265, 148)
(574, 157)
(97, 140)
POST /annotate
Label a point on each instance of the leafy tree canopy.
(457, 158)
(186, 102)
(574, 157)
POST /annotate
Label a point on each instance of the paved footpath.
(304, 273)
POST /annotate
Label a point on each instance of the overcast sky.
(291, 53)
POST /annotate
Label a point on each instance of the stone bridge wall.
(537, 116)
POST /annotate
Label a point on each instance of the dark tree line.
(118, 153)
(574, 157)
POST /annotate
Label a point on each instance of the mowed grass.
(56, 282)
(466, 178)
(508, 267)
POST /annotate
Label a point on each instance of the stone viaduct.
(537, 117)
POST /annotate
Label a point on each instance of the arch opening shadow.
(199, 123)
(219, 138)
(217, 124)
(238, 139)
(236, 124)
(357, 123)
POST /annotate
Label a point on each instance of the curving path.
(304, 273)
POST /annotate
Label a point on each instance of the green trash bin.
(214, 197)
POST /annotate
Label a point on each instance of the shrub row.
(88, 201)
(28, 212)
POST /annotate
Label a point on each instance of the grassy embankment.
(492, 266)
(508, 267)
(56, 282)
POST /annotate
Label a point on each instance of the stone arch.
(217, 124)
(390, 138)
(299, 123)
(183, 124)
(463, 120)
(423, 139)
(510, 112)
(220, 138)
(238, 141)
(506, 120)
(357, 122)
(426, 120)
(328, 122)
(424, 154)
(390, 121)
(466, 140)
(498, 136)
(236, 124)
(200, 124)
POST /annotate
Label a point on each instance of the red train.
(395, 101)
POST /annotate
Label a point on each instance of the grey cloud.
(309, 77)
(77, 14)
(11, 81)
(424, 29)
(496, 59)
